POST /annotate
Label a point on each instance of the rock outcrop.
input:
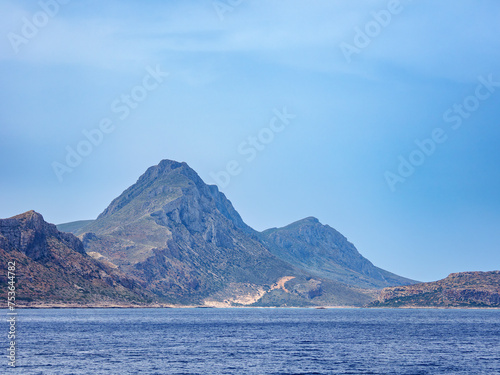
(464, 289)
(53, 267)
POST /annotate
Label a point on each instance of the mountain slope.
(53, 267)
(322, 251)
(464, 289)
(186, 241)
(74, 226)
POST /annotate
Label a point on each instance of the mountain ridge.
(325, 252)
(166, 228)
(181, 236)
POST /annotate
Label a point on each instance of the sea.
(255, 341)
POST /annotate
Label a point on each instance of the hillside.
(322, 251)
(465, 289)
(74, 226)
(52, 267)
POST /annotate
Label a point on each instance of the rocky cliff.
(53, 267)
(465, 289)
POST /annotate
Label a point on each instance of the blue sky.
(222, 72)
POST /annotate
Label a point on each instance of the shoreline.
(169, 306)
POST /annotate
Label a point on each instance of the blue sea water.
(256, 341)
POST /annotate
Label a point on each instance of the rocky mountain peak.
(55, 267)
(310, 231)
(311, 220)
(166, 168)
(168, 191)
(164, 180)
(29, 218)
(30, 234)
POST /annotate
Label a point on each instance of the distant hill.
(74, 226)
(53, 267)
(465, 289)
(322, 251)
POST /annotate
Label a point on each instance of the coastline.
(169, 306)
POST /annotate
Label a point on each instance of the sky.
(380, 118)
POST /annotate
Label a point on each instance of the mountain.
(464, 289)
(187, 243)
(322, 251)
(74, 226)
(53, 267)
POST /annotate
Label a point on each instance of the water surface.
(257, 341)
